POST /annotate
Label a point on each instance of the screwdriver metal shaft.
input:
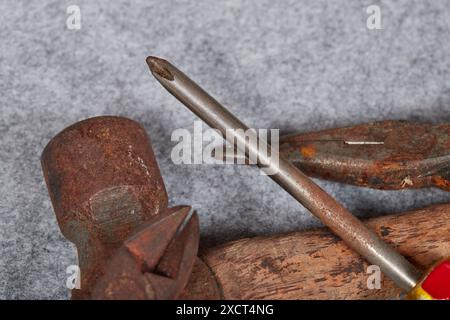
(304, 190)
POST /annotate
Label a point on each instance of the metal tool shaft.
(303, 189)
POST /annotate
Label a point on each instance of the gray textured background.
(293, 65)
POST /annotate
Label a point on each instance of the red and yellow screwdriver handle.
(435, 285)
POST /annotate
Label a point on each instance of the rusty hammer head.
(107, 190)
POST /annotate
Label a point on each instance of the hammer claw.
(149, 244)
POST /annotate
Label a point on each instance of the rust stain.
(308, 151)
(442, 183)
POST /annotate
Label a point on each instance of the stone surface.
(293, 65)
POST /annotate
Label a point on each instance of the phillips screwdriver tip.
(158, 68)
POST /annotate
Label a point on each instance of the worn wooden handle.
(316, 264)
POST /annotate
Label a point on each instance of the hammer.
(111, 202)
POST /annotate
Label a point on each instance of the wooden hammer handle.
(316, 264)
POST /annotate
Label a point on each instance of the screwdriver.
(352, 231)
